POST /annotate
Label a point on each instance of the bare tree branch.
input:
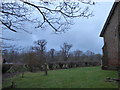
(57, 15)
(8, 26)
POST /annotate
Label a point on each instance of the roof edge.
(108, 19)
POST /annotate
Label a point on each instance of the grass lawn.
(84, 77)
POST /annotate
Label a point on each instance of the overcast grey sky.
(84, 34)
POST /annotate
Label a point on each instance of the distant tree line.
(38, 59)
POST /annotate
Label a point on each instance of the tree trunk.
(13, 84)
(118, 77)
(22, 74)
(46, 69)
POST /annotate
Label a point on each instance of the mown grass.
(84, 77)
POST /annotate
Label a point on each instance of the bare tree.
(52, 53)
(65, 51)
(89, 53)
(41, 46)
(77, 54)
(57, 15)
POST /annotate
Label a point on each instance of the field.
(84, 77)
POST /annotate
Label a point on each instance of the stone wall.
(111, 38)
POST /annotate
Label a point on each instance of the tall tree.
(65, 50)
(41, 47)
(89, 53)
(52, 53)
(77, 54)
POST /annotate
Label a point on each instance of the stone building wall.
(111, 39)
